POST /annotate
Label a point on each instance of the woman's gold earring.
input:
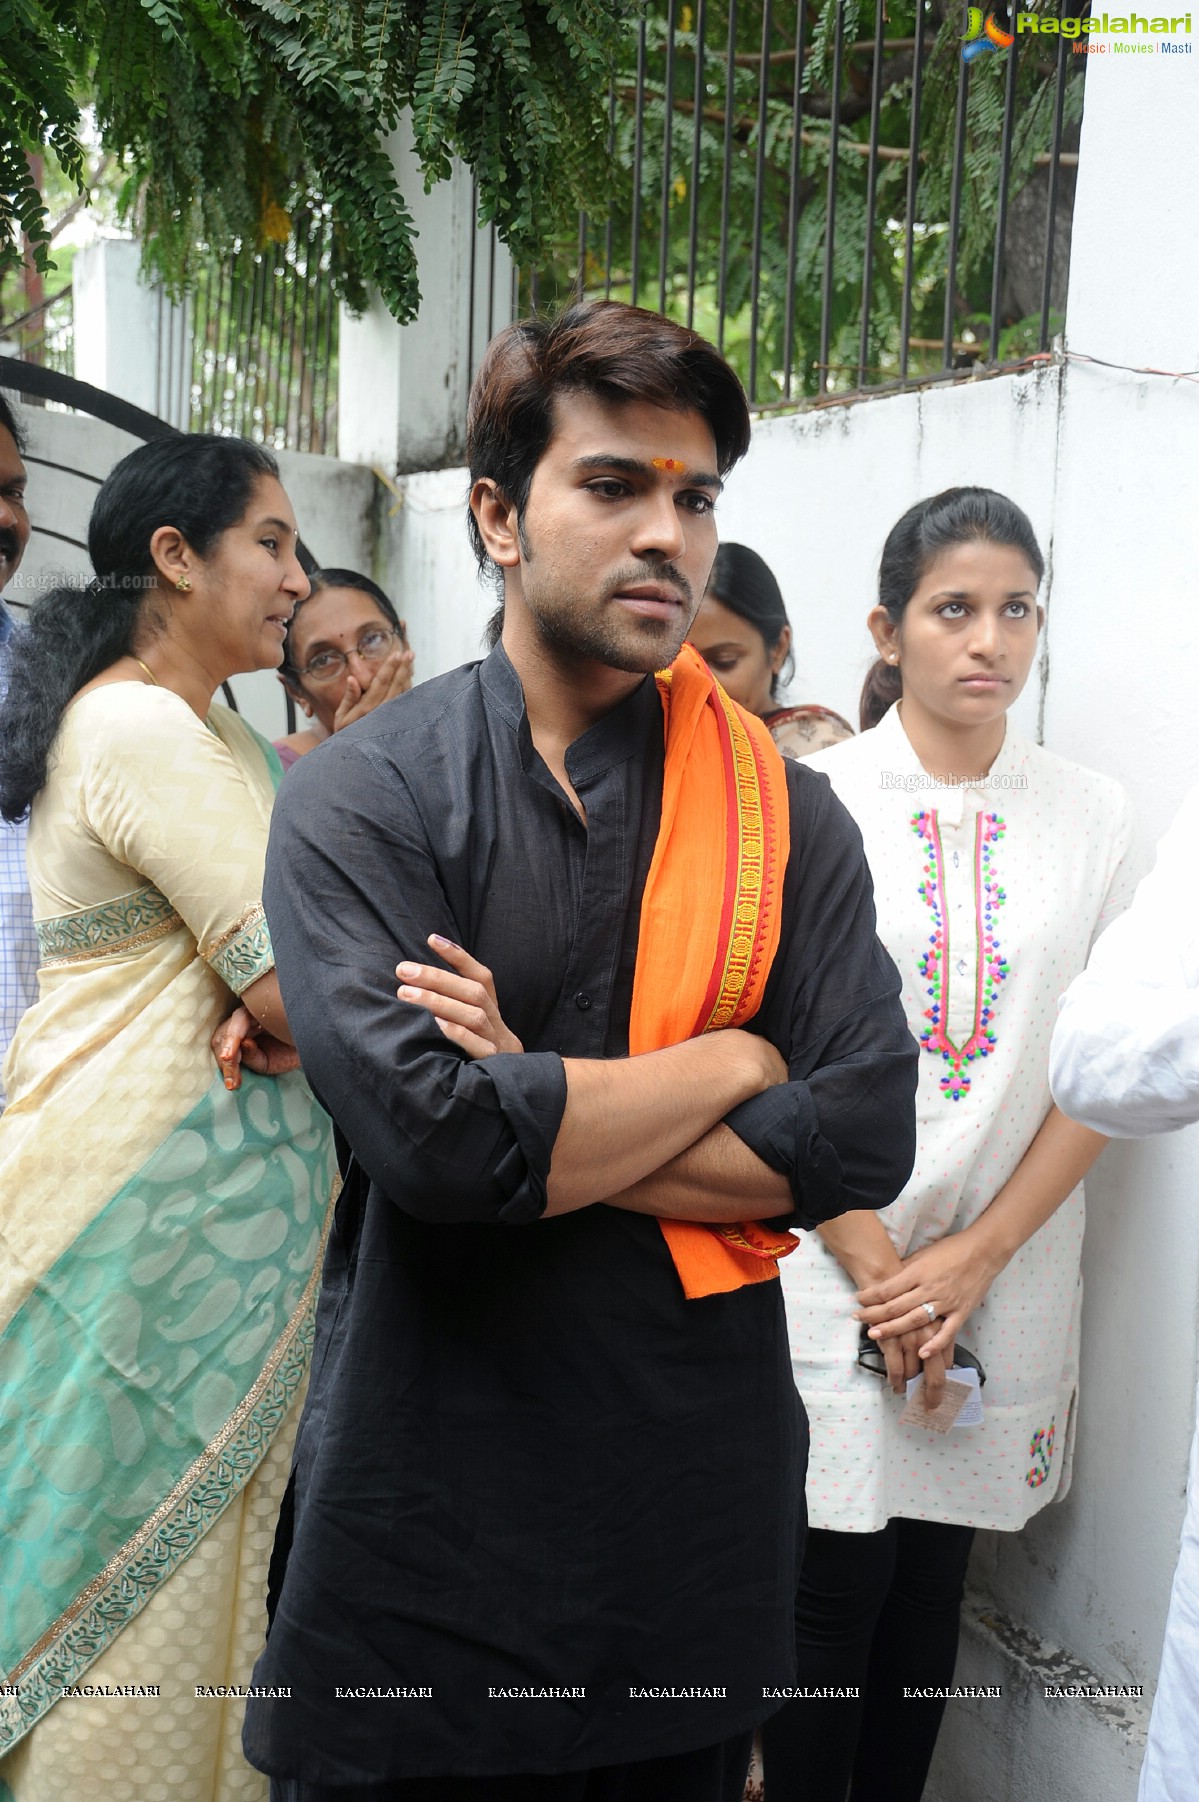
(183, 585)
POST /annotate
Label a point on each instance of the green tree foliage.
(792, 249)
(234, 117)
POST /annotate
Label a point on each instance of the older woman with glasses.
(346, 653)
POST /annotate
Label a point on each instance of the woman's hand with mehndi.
(241, 1039)
(461, 999)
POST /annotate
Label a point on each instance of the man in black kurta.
(545, 1511)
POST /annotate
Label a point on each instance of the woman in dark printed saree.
(161, 1219)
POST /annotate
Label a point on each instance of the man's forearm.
(718, 1179)
(627, 1118)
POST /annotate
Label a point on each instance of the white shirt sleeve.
(1125, 1052)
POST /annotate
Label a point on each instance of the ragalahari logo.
(983, 33)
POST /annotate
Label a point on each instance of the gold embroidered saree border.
(126, 923)
(163, 1542)
(242, 953)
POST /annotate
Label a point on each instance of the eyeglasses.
(372, 647)
(870, 1357)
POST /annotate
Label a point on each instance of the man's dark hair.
(8, 420)
(603, 347)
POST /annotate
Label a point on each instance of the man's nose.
(660, 527)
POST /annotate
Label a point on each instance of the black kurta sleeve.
(843, 1129)
(352, 888)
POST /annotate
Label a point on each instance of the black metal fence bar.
(755, 300)
(909, 220)
(955, 212)
(667, 146)
(830, 205)
(876, 101)
(698, 94)
(1055, 152)
(608, 226)
(730, 103)
(638, 154)
(793, 197)
(1005, 175)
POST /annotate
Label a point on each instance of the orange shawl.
(711, 918)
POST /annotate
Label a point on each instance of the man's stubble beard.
(571, 635)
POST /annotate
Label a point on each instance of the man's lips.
(653, 600)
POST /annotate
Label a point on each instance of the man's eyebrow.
(633, 466)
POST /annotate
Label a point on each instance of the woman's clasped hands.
(952, 1277)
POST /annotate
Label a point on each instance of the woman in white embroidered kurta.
(990, 885)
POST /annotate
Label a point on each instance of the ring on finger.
(929, 1310)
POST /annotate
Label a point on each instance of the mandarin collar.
(618, 735)
(952, 803)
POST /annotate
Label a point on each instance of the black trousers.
(711, 1774)
(878, 1612)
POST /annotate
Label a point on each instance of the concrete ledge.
(1077, 1743)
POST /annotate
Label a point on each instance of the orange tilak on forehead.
(670, 464)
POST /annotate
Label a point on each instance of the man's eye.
(609, 491)
(700, 503)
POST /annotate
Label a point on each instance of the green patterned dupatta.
(146, 1375)
(147, 1372)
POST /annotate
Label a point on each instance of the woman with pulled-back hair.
(744, 636)
(996, 864)
(160, 1216)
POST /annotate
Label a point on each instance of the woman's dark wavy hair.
(745, 584)
(603, 347)
(199, 484)
(956, 516)
(319, 579)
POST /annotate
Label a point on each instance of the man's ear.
(498, 524)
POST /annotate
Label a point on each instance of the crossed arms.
(723, 1128)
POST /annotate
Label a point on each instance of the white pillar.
(130, 339)
(402, 390)
(1134, 252)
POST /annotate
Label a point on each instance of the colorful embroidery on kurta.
(1041, 1449)
(990, 967)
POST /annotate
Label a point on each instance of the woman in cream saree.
(160, 1240)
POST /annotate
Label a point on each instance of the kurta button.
(582, 1002)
